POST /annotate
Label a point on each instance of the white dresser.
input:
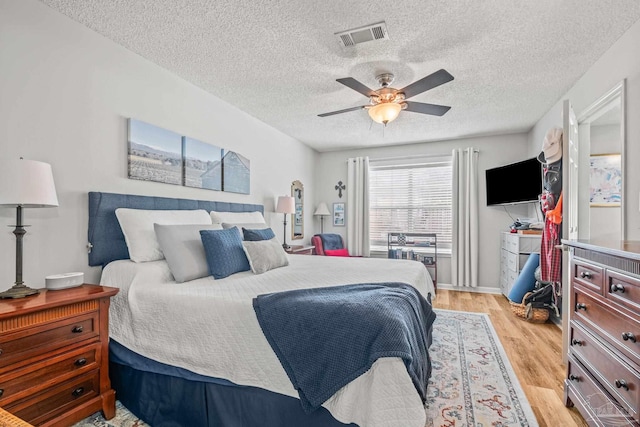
(515, 248)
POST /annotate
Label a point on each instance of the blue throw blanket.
(331, 241)
(327, 337)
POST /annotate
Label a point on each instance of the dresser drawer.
(598, 403)
(621, 380)
(624, 290)
(58, 399)
(35, 377)
(588, 275)
(617, 328)
(25, 343)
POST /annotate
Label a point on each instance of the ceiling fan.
(387, 102)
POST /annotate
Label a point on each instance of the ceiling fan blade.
(356, 85)
(421, 107)
(424, 84)
(341, 111)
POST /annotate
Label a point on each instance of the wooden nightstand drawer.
(35, 377)
(58, 399)
(54, 366)
(27, 342)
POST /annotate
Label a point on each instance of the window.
(411, 195)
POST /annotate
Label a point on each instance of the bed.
(194, 353)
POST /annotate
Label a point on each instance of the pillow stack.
(196, 243)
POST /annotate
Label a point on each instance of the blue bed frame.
(163, 395)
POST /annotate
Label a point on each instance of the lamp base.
(286, 247)
(18, 291)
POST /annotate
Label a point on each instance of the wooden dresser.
(54, 367)
(603, 372)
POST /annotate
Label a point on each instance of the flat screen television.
(519, 182)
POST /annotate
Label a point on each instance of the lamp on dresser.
(286, 205)
(24, 184)
(322, 210)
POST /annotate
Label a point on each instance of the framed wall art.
(338, 214)
(605, 180)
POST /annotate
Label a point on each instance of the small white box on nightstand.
(64, 281)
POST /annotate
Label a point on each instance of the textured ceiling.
(279, 60)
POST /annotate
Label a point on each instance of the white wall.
(65, 95)
(620, 62)
(494, 151)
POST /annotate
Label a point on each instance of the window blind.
(410, 196)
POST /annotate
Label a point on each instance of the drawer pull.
(574, 378)
(0, 352)
(617, 287)
(581, 306)
(586, 275)
(1, 392)
(576, 342)
(77, 392)
(77, 329)
(622, 384)
(80, 362)
(628, 336)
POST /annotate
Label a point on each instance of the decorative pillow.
(336, 252)
(182, 247)
(137, 227)
(265, 255)
(225, 255)
(253, 235)
(237, 217)
(251, 226)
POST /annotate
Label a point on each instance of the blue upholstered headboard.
(105, 236)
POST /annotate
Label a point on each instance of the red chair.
(316, 241)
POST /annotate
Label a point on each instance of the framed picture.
(338, 214)
(155, 154)
(202, 165)
(605, 180)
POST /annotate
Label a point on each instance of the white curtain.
(464, 251)
(357, 210)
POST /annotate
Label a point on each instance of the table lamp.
(322, 210)
(24, 184)
(286, 205)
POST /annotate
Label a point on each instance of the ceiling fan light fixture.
(385, 112)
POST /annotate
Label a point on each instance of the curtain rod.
(475, 150)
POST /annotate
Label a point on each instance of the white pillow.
(265, 255)
(237, 217)
(137, 227)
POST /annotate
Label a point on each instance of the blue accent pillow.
(526, 281)
(224, 252)
(254, 235)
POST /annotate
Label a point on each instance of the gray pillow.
(265, 255)
(182, 247)
(248, 225)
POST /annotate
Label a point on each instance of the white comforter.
(209, 327)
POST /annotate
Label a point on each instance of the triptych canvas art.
(160, 155)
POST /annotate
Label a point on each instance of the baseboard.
(480, 289)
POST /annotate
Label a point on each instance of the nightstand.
(54, 355)
(300, 250)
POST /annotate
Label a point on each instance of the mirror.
(601, 151)
(297, 225)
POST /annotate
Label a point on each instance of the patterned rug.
(472, 384)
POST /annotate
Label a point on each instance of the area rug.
(472, 383)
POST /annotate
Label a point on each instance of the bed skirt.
(163, 399)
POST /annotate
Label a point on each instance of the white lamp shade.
(286, 205)
(27, 183)
(322, 210)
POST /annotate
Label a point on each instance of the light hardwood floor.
(534, 350)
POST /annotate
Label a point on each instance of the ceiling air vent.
(367, 33)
